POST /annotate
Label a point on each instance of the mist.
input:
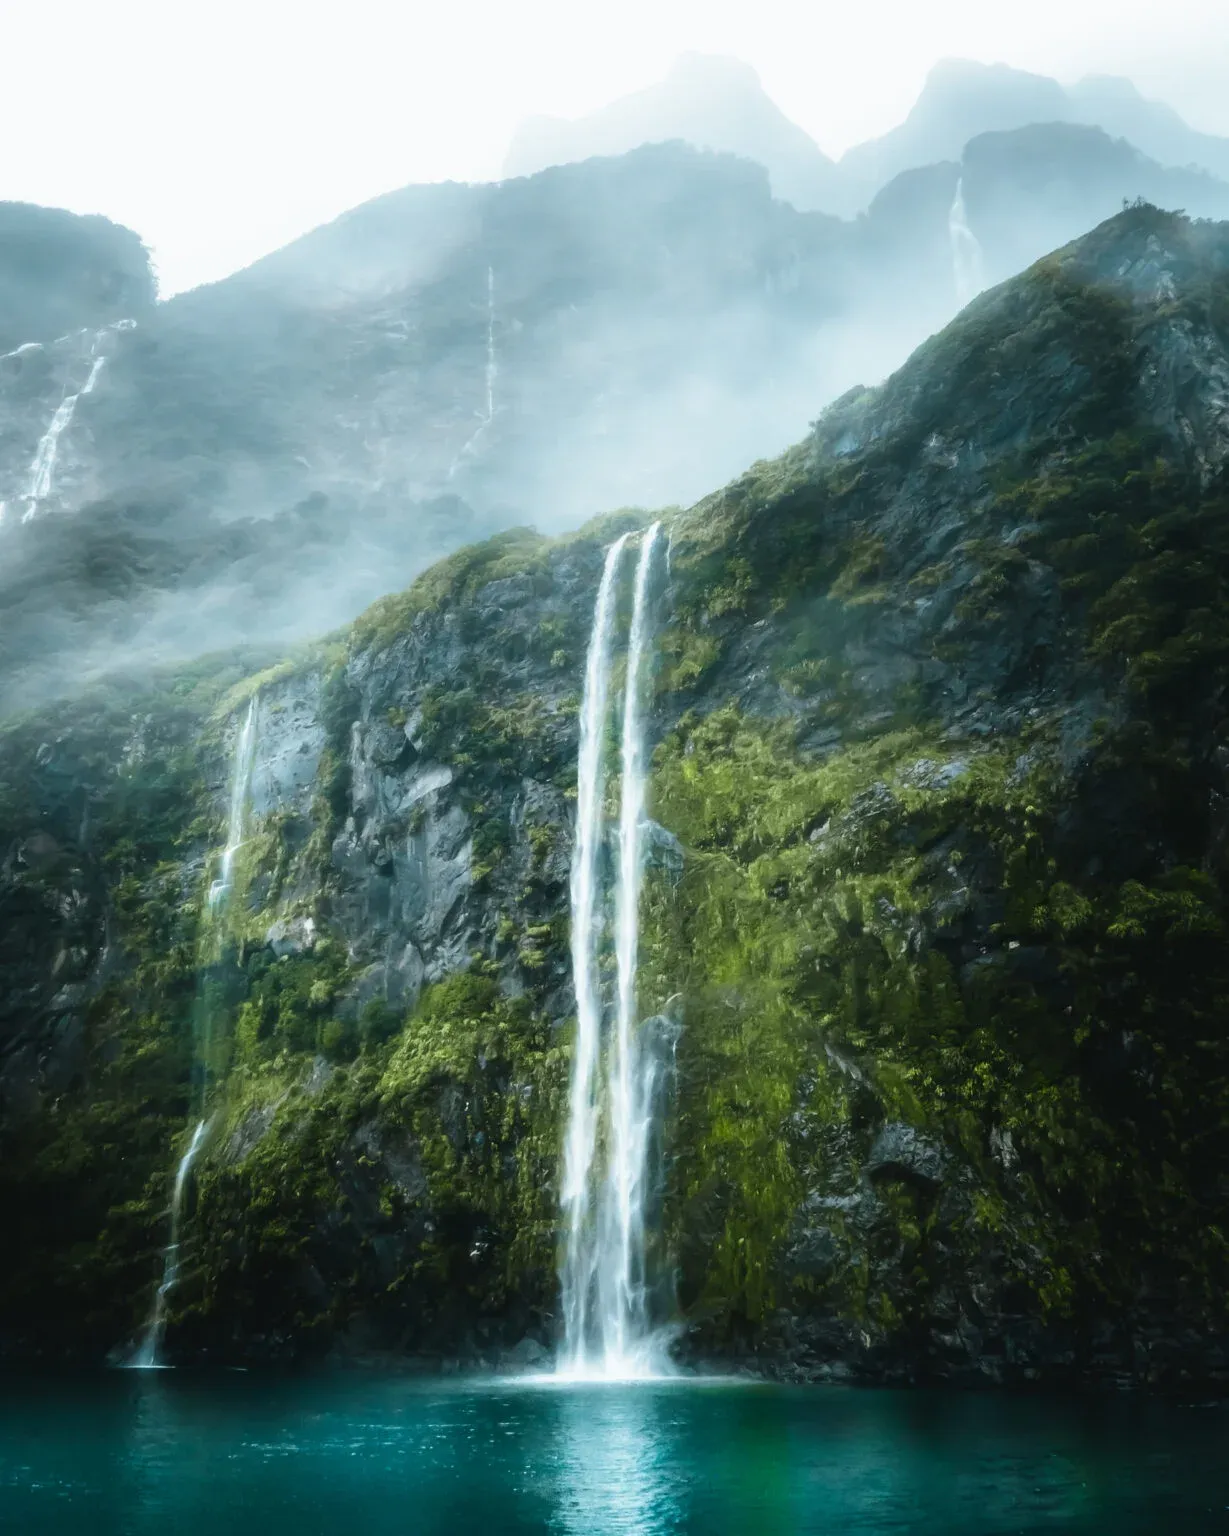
(256, 461)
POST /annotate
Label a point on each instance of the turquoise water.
(239, 1455)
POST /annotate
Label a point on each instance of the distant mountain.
(719, 103)
(707, 101)
(1024, 192)
(437, 364)
(962, 100)
(1117, 106)
(60, 272)
(256, 460)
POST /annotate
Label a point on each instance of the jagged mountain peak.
(61, 271)
(963, 98)
(708, 100)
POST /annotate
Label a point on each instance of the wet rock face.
(912, 879)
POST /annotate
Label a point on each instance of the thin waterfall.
(624, 1302)
(580, 1141)
(490, 378)
(147, 1356)
(240, 782)
(42, 470)
(968, 264)
(492, 366)
(243, 760)
(605, 1304)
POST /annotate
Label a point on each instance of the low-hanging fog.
(251, 463)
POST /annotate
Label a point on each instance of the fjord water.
(145, 1454)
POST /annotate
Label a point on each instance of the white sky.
(220, 129)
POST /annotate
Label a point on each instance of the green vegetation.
(942, 731)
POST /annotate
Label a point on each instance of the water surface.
(137, 1453)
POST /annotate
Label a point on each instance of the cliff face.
(935, 911)
(62, 272)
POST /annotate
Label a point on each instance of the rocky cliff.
(447, 361)
(935, 916)
(62, 272)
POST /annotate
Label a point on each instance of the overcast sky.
(220, 129)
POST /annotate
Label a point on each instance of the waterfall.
(624, 1316)
(42, 470)
(606, 1324)
(968, 265)
(492, 367)
(579, 1144)
(242, 762)
(240, 782)
(146, 1357)
(490, 377)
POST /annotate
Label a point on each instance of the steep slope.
(62, 272)
(1024, 192)
(936, 910)
(261, 458)
(1120, 109)
(706, 101)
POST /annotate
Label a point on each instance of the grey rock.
(902, 1151)
(291, 935)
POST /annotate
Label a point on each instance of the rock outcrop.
(934, 923)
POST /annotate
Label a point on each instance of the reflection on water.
(172, 1454)
(613, 1466)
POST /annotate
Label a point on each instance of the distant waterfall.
(243, 760)
(240, 783)
(968, 264)
(492, 365)
(490, 378)
(42, 471)
(41, 478)
(606, 1324)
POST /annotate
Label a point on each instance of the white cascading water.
(607, 1334)
(492, 366)
(490, 376)
(147, 1356)
(625, 1330)
(580, 1141)
(968, 264)
(42, 470)
(240, 782)
(148, 1353)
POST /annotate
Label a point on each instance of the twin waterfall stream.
(607, 1332)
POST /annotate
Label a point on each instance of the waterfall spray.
(968, 264)
(148, 1355)
(605, 1311)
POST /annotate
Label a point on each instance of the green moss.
(813, 938)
